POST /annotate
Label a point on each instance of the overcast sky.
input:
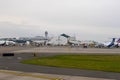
(86, 19)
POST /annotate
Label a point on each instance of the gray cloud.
(86, 18)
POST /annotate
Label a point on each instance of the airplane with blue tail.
(110, 44)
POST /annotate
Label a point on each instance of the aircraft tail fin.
(118, 41)
(112, 43)
(113, 40)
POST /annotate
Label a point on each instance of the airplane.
(2, 42)
(74, 42)
(113, 43)
(7, 43)
(105, 44)
(110, 44)
(117, 43)
(10, 43)
(39, 42)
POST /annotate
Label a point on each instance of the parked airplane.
(10, 43)
(117, 43)
(110, 44)
(7, 43)
(113, 43)
(39, 42)
(2, 42)
(74, 42)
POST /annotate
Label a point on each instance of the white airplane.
(60, 40)
(110, 44)
(2, 42)
(117, 43)
(7, 43)
(10, 43)
(113, 43)
(74, 42)
(39, 42)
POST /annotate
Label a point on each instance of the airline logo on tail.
(118, 40)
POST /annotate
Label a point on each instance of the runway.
(56, 50)
(13, 63)
(21, 53)
(69, 50)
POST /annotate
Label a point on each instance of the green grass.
(90, 62)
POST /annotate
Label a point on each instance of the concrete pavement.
(13, 63)
(70, 50)
(15, 75)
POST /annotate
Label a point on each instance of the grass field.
(90, 62)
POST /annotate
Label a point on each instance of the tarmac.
(17, 75)
(11, 69)
(69, 50)
(57, 49)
